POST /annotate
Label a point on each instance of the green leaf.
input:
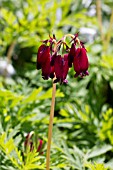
(33, 96)
(99, 151)
(95, 166)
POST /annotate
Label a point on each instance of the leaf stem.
(50, 126)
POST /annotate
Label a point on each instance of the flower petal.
(61, 68)
(46, 69)
(42, 55)
(81, 62)
(76, 61)
(65, 66)
(58, 66)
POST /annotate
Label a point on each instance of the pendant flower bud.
(80, 62)
(42, 55)
(61, 68)
(43, 60)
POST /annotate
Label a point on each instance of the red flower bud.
(41, 55)
(61, 68)
(80, 62)
(43, 60)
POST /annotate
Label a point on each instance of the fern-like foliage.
(17, 158)
(96, 166)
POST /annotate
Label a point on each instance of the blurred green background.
(83, 123)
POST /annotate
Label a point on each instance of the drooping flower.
(42, 55)
(43, 60)
(61, 68)
(46, 69)
(56, 65)
(80, 62)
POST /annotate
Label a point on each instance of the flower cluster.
(30, 145)
(54, 65)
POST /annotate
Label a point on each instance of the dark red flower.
(41, 55)
(61, 68)
(46, 69)
(80, 62)
(54, 65)
(43, 60)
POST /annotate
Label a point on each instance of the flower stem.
(50, 126)
(68, 35)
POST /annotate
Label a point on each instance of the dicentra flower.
(43, 60)
(80, 62)
(61, 68)
(55, 58)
